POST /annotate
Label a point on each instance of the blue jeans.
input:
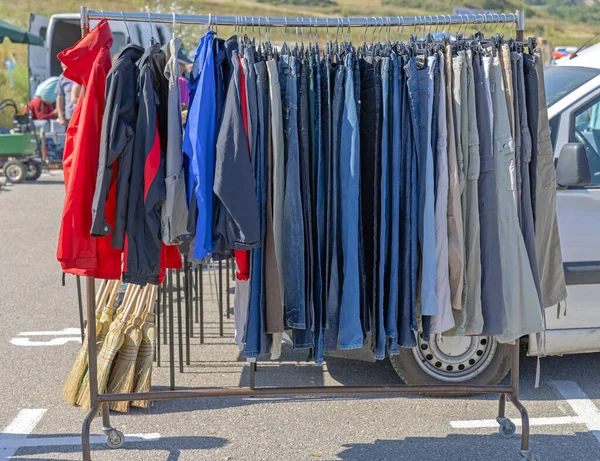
(293, 225)
(333, 206)
(429, 304)
(379, 339)
(396, 88)
(410, 150)
(350, 326)
(320, 195)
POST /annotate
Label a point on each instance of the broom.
(79, 369)
(110, 347)
(143, 366)
(123, 371)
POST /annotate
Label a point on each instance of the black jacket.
(116, 144)
(147, 188)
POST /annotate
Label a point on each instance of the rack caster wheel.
(507, 428)
(528, 455)
(115, 439)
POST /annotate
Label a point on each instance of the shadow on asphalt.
(167, 444)
(463, 447)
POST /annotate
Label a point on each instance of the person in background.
(67, 93)
(41, 109)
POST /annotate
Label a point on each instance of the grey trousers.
(547, 241)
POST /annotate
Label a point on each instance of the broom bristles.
(110, 347)
(143, 369)
(123, 372)
(78, 372)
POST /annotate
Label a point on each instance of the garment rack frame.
(100, 402)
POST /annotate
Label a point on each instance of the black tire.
(34, 171)
(409, 370)
(15, 172)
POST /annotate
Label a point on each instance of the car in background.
(573, 100)
(563, 51)
(62, 31)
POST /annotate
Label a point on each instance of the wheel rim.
(13, 172)
(455, 359)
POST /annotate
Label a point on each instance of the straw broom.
(110, 347)
(123, 371)
(143, 366)
(79, 369)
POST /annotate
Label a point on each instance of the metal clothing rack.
(101, 402)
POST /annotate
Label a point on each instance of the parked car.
(62, 31)
(573, 98)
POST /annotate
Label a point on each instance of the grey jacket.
(174, 213)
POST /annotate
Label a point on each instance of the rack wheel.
(528, 455)
(115, 439)
(507, 428)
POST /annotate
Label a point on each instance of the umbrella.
(18, 35)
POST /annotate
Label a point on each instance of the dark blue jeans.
(410, 149)
(294, 280)
(303, 338)
(396, 89)
(350, 327)
(334, 241)
(320, 217)
(379, 338)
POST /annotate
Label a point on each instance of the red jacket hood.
(80, 58)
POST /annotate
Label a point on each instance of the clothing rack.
(101, 402)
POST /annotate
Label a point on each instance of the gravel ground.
(250, 429)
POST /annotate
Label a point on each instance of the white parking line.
(581, 404)
(586, 412)
(66, 331)
(16, 435)
(18, 430)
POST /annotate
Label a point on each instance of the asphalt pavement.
(39, 341)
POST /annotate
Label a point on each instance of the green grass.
(558, 24)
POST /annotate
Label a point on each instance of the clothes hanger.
(128, 40)
(152, 39)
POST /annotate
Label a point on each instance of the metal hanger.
(152, 39)
(399, 29)
(126, 27)
(173, 29)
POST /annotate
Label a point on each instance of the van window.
(585, 129)
(66, 33)
(561, 80)
(119, 42)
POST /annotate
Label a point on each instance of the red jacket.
(88, 63)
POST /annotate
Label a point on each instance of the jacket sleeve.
(113, 140)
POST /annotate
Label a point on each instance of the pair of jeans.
(410, 150)
(491, 269)
(256, 339)
(294, 280)
(425, 79)
(303, 338)
(350, 326)
(523, 157)
(396, 90)
(335, 245)
(320, 213)
(382, 276)
(370, 146)
(327, 73)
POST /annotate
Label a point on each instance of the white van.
(62, 31)
(573, 99)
